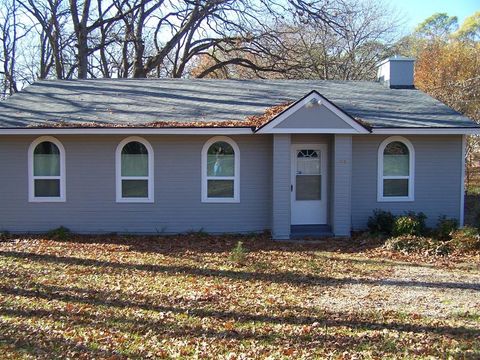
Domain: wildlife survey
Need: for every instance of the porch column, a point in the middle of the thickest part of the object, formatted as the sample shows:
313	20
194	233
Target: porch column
342	185
281	187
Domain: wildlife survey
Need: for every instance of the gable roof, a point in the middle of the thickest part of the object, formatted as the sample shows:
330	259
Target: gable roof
345	123
117	102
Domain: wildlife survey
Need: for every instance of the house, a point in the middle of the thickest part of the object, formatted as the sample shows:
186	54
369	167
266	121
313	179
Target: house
176	155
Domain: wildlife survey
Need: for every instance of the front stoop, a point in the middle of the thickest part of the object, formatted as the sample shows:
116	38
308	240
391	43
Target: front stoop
298	232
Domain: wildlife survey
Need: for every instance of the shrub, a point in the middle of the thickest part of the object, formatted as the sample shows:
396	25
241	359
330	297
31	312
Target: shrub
445	228
411	243
61	233
4	235
407	243
466	239
410	224
381	222
239	254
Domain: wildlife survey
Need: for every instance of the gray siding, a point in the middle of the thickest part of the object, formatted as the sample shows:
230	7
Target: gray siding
281	186
313	118
342	189
90	188
264	192
438	166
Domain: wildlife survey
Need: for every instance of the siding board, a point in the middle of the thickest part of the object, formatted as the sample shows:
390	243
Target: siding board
281	186
342	191
90	205
437	178
90	188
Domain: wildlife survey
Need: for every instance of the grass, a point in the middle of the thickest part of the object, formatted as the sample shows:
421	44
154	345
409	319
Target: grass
183	297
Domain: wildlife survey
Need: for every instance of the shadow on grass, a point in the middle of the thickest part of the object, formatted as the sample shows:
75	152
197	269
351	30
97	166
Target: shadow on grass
47	345
199	242
145	326
110	299
278	277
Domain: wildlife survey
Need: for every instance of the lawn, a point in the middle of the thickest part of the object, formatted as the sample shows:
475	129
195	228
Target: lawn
185	297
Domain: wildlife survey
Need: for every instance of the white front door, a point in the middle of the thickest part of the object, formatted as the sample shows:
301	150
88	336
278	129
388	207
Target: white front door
309	184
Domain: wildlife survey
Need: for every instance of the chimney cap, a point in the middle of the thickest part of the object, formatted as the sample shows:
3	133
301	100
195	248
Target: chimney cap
395	58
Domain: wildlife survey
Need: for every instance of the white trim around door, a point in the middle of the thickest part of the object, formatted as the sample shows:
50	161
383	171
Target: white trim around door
309	179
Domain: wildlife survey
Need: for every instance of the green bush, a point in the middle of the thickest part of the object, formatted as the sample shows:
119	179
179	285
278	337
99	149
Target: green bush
61	233
381	222
410	224
445	228
239	254
466	239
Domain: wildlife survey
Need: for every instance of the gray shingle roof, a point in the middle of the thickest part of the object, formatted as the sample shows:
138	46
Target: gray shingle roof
127	101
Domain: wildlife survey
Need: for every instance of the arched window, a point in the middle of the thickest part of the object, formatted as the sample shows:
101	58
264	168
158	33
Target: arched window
134	170
46	170
220	170
396	168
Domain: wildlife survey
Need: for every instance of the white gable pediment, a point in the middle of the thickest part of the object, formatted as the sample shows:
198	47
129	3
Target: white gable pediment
313	114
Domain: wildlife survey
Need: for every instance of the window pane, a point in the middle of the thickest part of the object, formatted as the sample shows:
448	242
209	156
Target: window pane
47	188
134	165
396	148
308	162
134	147
396	165
46	160
220	188
309	187
395	187
220	160
134	159
396	159
135	188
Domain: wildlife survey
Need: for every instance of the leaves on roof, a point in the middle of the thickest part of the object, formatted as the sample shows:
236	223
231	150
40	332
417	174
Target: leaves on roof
364	123
260	120
254	121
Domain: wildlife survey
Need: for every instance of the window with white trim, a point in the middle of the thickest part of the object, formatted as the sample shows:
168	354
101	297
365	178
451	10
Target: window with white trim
396	166
220	170
134	170
46	169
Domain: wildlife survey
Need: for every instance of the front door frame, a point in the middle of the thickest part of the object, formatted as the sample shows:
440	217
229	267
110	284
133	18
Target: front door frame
323	215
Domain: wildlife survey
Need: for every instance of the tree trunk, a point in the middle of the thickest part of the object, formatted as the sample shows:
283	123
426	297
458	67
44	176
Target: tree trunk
81	32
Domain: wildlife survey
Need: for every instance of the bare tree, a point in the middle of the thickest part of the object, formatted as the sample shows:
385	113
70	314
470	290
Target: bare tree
326	39
52	16
309	44
11	32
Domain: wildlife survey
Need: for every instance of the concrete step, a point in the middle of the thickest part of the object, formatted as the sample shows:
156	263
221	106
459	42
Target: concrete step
310	231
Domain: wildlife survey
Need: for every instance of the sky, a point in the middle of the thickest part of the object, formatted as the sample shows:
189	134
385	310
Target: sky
416	11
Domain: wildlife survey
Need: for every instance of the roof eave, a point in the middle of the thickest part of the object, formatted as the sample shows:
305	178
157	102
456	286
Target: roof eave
428	131
128	130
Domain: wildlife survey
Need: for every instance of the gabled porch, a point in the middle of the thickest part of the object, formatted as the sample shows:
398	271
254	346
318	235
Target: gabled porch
312	169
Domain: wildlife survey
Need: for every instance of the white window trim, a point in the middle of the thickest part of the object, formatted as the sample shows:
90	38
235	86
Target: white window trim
32	178
235	178
410	177
119	177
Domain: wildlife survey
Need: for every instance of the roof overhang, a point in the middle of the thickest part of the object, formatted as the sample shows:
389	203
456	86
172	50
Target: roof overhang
228	131
271	126
128	130
428	131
